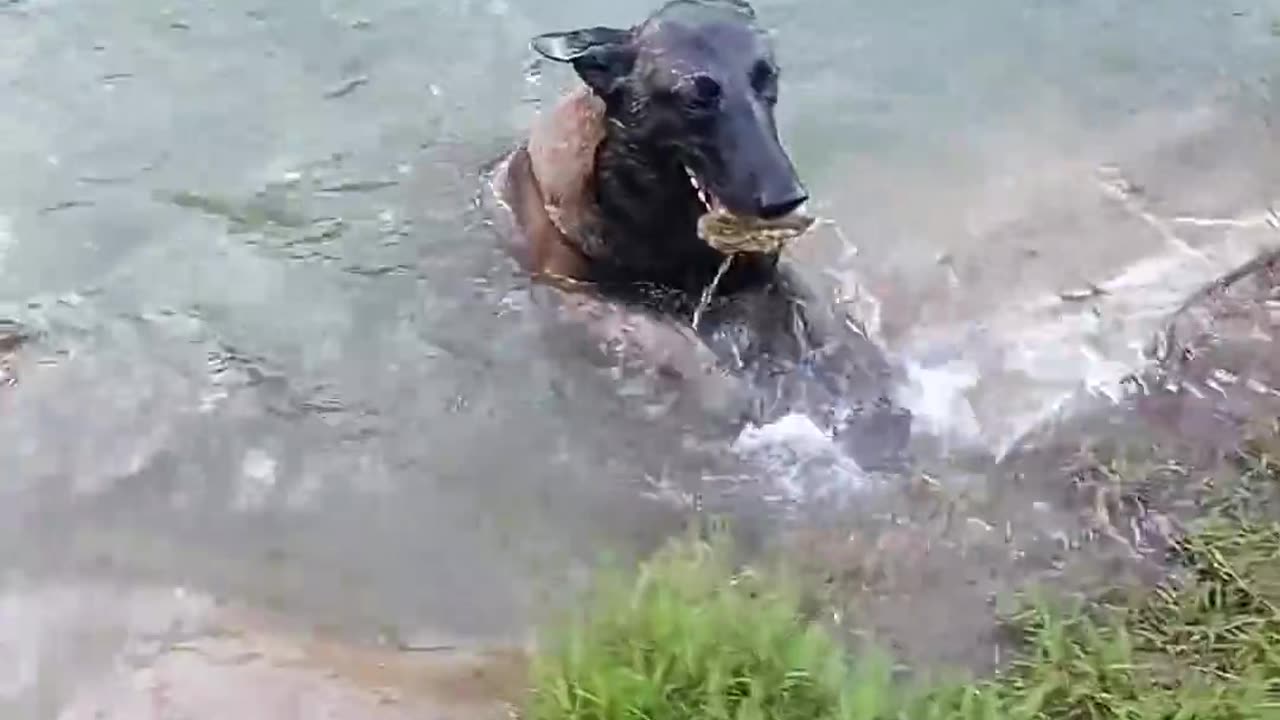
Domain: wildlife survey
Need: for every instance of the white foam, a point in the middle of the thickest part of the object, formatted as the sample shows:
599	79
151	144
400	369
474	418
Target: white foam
794	430
937	397
257	479
800	458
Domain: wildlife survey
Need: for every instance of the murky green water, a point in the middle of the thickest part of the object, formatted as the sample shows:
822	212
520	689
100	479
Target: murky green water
281	359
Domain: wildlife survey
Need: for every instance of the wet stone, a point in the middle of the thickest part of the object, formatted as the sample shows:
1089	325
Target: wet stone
12	337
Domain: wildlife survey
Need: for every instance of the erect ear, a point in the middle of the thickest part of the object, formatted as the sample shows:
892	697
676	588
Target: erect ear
602	56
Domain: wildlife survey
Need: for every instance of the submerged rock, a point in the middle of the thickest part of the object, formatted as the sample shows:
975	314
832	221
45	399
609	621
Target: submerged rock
12	336
1218	361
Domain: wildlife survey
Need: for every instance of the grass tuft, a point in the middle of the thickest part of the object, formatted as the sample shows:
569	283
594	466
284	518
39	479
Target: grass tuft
693	636
690	637
1208	648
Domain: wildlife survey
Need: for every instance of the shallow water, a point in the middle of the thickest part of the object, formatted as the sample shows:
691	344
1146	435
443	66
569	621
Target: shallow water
279	357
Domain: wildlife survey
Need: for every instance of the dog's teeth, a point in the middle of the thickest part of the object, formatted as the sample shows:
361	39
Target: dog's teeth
693	179
703	196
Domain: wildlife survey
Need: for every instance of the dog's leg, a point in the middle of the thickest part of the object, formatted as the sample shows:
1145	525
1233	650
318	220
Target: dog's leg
807	358
636	342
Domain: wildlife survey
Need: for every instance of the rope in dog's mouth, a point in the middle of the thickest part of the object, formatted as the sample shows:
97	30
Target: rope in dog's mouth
733	234
710	290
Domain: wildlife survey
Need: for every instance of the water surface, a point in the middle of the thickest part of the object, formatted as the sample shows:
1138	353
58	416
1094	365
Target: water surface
280	358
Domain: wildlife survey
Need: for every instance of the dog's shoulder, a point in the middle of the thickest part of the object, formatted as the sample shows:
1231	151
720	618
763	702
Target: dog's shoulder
562	150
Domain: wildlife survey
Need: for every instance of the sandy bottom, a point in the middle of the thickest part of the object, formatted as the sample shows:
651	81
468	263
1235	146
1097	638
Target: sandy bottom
98	652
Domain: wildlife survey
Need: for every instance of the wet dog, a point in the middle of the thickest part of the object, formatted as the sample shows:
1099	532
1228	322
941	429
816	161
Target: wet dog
673	125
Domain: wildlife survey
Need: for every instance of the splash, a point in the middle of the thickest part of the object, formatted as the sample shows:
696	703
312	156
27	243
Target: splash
801	459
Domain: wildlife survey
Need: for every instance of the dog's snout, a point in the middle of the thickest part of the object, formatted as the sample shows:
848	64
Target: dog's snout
775	205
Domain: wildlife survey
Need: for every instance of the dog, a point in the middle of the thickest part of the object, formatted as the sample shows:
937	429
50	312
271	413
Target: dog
672	126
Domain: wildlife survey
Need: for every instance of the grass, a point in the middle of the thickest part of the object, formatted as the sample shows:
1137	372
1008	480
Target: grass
691	637
1206	648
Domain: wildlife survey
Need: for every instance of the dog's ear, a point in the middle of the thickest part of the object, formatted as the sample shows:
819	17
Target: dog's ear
575	44
602	56
741	6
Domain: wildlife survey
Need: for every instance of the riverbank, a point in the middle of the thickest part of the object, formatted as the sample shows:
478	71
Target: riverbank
706	628
694	635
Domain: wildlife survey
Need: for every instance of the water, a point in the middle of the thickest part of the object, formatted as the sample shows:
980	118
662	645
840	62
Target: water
281	361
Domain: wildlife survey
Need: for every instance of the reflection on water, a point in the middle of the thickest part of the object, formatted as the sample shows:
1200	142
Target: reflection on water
272	351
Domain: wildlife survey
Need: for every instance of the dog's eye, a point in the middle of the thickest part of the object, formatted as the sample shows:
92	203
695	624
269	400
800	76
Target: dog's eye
764	80
706	88
700	92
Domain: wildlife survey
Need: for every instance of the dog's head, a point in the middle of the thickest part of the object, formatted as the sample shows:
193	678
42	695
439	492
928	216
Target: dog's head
698	82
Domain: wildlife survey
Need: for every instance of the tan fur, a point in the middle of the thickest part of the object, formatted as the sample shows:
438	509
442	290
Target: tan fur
562	154
548	186
539	246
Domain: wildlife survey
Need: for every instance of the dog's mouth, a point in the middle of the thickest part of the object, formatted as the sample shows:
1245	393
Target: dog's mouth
708	198
730	232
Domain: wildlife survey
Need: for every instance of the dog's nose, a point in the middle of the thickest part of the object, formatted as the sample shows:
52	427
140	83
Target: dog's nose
778	205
